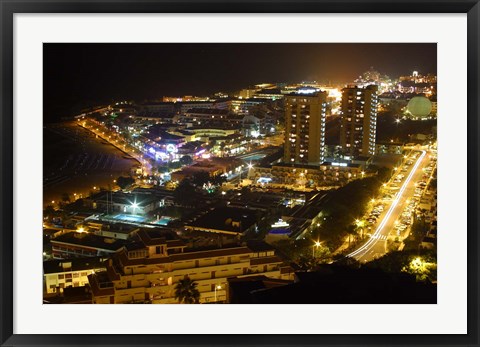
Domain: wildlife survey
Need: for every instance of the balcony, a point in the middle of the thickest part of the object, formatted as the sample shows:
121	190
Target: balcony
157	284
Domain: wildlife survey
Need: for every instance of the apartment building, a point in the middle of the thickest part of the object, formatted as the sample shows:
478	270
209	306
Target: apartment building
305	128
148	272
359	121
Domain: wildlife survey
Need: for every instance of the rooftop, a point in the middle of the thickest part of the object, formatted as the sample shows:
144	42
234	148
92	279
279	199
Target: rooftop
196	102
152	237
259	246
305	95
157	103
227	219
124	198
120	228
212	111
76	264
191	255
90	241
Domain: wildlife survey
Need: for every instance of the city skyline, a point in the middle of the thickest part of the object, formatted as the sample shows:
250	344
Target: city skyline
80	75
275	192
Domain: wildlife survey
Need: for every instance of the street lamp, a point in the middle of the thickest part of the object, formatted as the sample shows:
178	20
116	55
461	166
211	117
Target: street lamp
217	287
134	206
317	244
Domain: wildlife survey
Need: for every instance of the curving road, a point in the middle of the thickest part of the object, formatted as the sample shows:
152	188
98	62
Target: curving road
376	245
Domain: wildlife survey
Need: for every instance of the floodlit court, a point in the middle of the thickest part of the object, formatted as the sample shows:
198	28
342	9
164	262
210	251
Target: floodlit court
129	218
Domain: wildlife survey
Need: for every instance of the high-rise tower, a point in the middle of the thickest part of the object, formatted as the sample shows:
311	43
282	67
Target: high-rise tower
359	121
305	128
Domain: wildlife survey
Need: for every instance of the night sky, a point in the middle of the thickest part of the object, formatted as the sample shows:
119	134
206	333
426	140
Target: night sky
78	75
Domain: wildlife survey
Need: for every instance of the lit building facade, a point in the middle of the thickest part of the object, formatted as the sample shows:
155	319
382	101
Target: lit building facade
186	106
305	128
149	274
60	274
325	175
82	244
359	121
247	93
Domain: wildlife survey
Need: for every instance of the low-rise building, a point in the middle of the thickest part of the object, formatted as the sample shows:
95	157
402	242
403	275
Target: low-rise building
212	117
227	164
247	93
157	118
82	244
206	133
225	220
60	274
120	202
240	105
120	231
326	174
255	125
185	98
190	171
149	273
160	108
186	106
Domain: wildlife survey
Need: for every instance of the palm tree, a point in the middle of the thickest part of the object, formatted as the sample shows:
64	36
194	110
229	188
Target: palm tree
186	292
351	231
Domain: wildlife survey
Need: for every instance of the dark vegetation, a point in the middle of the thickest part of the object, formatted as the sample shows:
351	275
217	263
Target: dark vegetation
388	129
344	206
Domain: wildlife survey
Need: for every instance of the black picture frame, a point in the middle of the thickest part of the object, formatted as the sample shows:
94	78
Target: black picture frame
9	7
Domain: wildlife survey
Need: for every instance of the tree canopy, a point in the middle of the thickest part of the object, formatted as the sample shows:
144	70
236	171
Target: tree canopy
124	182
186	292
185	193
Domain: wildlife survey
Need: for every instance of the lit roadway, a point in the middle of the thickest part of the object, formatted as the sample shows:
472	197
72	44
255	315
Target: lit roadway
119	143
376	245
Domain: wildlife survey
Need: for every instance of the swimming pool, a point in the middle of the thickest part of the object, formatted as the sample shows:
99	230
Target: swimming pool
129	217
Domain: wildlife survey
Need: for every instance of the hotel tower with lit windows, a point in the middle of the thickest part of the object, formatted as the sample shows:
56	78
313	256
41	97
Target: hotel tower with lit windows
359	121
305	128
